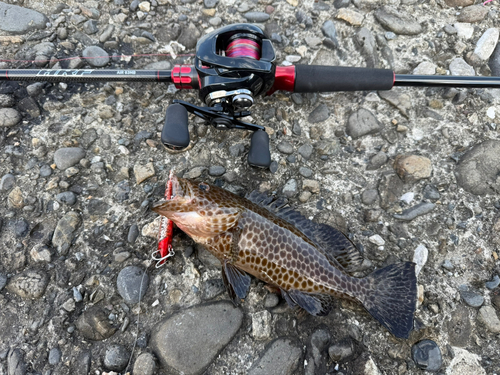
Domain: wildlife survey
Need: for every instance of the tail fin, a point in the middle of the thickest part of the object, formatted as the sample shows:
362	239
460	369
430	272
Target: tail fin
392	296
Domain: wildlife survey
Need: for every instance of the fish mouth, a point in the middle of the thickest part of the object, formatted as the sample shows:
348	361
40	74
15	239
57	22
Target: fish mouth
182	193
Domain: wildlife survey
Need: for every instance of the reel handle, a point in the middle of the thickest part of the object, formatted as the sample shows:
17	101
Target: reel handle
259	155
175	133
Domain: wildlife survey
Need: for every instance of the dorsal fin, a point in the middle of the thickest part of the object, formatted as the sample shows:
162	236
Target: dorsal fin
339	246
334	244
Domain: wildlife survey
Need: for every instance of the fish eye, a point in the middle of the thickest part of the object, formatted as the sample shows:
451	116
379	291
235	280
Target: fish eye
203	186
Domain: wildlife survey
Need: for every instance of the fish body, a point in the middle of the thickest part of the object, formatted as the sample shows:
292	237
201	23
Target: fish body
310	263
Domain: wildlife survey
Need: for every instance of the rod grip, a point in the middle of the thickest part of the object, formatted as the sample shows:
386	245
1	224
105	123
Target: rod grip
322	78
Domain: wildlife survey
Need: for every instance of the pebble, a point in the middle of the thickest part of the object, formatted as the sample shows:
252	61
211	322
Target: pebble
144	364
425	68
133	233
430	192
306	151
464	30
376	239
18	20
67	197
28	284
401	24
261	325
270	301
3	281
216	170
194	173
90	27
7	182
427	355
132	283
69	156
54	356
489	318
210	3
116	357
341	350
369	196
459	3
489	284
328	29
487	43
290	189
285	147
474	13
21	228
9	117
15	360
478	169
65	232
411	168
338	4
143	172
15	198
96	56
319	114
77	296
420	258
464	362
361	123
377	160
189	36
93	324
45	170
283	354
176	340
350	16
305	172
415	211
472	298
458	67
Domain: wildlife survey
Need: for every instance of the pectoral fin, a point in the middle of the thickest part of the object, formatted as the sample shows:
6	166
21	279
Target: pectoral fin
237	282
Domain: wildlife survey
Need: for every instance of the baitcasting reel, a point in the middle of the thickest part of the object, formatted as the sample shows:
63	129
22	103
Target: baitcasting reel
233	65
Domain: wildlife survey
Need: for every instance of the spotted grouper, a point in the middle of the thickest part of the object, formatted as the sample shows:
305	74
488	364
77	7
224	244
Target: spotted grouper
309	263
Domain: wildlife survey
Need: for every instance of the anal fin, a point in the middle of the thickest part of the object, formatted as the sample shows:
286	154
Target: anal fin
314	304
237	282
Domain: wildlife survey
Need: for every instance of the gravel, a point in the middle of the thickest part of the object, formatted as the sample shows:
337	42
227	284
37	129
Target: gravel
398	171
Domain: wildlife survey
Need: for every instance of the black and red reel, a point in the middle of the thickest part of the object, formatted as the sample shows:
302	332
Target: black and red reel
232	66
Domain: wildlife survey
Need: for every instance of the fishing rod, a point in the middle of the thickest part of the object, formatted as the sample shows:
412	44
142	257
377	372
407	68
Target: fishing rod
232	66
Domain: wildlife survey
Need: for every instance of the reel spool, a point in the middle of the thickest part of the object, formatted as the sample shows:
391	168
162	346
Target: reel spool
234	64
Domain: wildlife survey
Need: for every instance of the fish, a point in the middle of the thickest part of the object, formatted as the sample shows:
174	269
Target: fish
310	263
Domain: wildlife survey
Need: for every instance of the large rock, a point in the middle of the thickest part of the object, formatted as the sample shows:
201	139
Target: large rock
9	117
18	20
478	170
190	340
281	357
